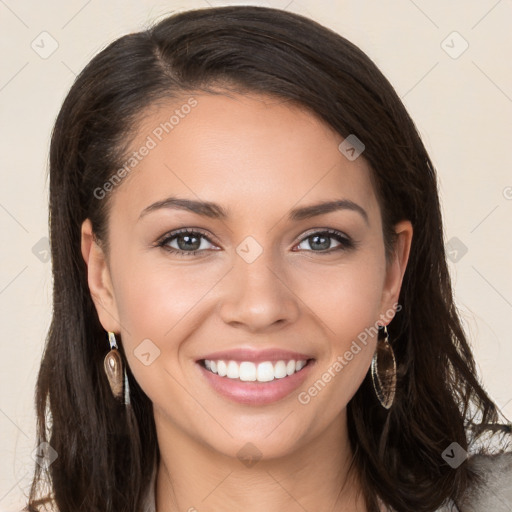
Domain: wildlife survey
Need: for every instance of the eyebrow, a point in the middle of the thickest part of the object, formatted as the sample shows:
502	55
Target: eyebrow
216	211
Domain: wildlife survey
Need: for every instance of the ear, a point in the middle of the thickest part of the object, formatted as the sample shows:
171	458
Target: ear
99	279
395	268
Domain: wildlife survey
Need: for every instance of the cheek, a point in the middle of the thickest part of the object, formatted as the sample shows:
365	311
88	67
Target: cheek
163	304
346	297
154	296
347	300
158	311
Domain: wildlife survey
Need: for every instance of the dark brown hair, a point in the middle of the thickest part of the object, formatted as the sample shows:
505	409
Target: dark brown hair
106	452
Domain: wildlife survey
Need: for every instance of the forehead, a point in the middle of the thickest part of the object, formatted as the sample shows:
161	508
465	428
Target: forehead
248	152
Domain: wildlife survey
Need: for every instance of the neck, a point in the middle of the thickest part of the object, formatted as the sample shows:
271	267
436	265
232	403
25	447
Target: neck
193	477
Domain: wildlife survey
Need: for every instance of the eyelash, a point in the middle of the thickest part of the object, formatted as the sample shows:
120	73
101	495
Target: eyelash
345	242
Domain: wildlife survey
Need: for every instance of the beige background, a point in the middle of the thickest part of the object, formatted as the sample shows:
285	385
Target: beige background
461	103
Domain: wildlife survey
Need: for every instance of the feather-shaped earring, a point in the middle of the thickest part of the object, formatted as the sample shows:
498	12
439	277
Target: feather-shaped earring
383	370
116	372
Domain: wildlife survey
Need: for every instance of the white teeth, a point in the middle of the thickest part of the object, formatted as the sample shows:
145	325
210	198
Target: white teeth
265	372
233	370
280	370
222	369
249	371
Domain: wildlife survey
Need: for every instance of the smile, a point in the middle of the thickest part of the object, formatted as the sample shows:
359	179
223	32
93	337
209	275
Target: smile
248	371
255	383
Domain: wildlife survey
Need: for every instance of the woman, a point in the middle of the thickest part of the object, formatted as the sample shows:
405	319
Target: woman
252	307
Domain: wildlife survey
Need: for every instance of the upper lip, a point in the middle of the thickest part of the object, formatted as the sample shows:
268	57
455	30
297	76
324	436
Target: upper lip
256	355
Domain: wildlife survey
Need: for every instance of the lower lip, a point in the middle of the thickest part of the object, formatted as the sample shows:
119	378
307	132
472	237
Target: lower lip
253	392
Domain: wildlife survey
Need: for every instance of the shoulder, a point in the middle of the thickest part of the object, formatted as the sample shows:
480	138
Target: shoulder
492	489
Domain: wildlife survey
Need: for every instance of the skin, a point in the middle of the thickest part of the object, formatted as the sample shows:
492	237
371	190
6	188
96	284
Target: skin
259	158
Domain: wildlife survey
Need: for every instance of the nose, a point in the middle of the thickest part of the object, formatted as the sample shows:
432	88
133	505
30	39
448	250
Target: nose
259	295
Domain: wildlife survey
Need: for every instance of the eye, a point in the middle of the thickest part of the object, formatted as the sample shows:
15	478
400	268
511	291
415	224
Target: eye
184	242
187	242
322	240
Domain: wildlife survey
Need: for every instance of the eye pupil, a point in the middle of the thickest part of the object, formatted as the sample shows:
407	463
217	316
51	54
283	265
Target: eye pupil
323	245
188	242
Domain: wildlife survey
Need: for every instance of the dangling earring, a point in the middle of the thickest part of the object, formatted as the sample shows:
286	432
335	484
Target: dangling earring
383	370
116	372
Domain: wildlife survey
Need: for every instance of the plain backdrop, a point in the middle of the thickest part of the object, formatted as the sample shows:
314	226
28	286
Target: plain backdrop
448	61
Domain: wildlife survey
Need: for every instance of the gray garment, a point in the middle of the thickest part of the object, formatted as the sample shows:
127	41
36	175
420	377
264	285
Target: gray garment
494	494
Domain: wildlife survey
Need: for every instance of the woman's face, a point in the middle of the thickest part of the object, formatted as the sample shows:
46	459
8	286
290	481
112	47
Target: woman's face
267	277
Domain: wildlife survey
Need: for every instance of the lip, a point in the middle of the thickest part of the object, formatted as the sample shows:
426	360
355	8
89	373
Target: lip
252	392
256	356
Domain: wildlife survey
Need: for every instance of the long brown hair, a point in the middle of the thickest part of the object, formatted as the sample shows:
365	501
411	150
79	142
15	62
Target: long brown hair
106	452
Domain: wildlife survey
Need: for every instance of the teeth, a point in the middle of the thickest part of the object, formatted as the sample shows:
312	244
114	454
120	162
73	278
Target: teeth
233	370
299	365
280	370
222	369
265	372
249	371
